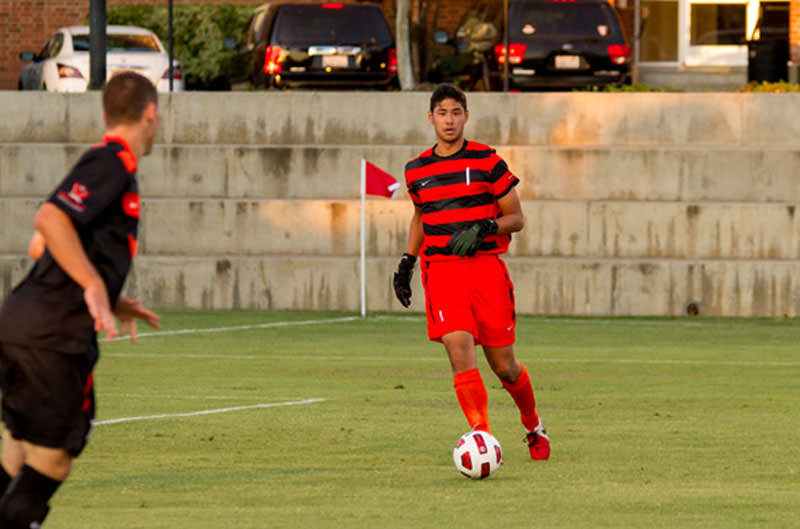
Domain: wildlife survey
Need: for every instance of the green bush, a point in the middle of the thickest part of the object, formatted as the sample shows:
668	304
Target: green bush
638	87
199	30
451	68
775	88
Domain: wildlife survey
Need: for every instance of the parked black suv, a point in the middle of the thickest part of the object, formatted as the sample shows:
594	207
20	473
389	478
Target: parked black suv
317	45
564	44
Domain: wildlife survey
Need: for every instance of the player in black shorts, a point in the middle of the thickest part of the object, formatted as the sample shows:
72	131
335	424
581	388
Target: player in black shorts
84	244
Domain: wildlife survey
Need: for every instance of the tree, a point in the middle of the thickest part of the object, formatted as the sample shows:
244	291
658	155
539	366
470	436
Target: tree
422	36
405	70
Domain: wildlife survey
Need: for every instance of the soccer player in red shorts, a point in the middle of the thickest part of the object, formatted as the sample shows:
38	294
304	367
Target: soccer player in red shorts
465	208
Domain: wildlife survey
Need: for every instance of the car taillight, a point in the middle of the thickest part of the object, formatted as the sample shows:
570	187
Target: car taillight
392	60
68	71
619	53
332	5
273	60
177	72
516	52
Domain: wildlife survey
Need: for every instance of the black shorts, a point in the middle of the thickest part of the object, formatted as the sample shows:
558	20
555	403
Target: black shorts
48	397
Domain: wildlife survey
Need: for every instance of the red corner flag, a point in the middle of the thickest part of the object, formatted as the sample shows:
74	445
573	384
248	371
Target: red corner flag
379	182
374	181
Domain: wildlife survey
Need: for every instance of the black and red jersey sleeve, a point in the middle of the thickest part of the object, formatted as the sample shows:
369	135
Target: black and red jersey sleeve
412	191
93	185
414	197
501	178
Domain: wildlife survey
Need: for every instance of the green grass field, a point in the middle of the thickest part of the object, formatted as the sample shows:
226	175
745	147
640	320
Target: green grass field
654	423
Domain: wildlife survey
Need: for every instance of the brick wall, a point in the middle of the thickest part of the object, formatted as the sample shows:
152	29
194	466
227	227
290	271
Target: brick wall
25	25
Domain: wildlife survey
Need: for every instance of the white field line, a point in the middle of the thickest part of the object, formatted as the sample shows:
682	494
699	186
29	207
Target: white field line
207	412
187	355
543	360
322	358
175	397
411	318
662	362
238	327
587	321
421	319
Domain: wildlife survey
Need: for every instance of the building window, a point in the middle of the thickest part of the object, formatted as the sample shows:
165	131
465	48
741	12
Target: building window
718	24
659	41
773	20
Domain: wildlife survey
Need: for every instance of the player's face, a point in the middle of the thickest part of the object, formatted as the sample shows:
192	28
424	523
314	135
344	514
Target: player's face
448	118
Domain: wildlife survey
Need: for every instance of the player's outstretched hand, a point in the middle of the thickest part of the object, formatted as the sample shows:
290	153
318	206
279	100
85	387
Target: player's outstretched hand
402	279
96	298
467	241
129	310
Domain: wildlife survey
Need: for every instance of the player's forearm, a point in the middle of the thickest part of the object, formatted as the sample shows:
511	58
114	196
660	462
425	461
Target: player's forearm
415	234
65	246
510	223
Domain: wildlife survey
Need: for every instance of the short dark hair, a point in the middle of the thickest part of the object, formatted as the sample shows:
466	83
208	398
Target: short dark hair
125	97
448	91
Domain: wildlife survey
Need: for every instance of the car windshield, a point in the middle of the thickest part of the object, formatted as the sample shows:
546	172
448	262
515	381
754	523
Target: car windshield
313	24
119	42
562	19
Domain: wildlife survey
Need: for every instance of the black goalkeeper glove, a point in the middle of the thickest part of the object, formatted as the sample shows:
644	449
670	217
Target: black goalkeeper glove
467	241
402	279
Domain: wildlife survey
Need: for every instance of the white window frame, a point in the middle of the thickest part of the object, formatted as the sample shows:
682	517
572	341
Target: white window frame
681	51
733	55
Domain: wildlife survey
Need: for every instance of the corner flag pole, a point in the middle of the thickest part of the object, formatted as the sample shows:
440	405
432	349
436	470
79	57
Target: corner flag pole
363	238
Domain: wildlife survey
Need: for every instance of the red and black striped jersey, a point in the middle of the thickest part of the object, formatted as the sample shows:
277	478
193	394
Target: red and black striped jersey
454	192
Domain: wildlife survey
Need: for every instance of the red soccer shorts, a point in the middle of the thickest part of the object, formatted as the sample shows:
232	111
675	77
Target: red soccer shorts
474	295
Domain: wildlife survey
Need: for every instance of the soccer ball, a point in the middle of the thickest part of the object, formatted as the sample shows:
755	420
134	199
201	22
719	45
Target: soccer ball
477	454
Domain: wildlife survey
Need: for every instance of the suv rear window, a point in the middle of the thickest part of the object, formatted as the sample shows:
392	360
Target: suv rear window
563	19
302	25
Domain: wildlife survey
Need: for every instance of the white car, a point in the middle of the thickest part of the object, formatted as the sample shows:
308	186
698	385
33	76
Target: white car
63	63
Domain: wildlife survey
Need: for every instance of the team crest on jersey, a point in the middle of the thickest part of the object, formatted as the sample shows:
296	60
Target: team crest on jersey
130	204
74	197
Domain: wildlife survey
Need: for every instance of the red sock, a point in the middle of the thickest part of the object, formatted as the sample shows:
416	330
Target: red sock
522	393
472	396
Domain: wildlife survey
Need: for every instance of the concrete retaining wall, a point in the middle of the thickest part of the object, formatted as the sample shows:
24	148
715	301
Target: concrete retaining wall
622	173
357	118
581	230
542	285
636	203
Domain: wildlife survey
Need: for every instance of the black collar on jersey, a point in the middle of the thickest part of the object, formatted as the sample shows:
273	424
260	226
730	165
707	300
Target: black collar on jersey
455	154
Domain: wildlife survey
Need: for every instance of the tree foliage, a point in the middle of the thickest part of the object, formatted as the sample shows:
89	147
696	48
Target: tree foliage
199	32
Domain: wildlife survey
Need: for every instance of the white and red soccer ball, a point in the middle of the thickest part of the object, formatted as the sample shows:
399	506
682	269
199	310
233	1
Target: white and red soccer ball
477	454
